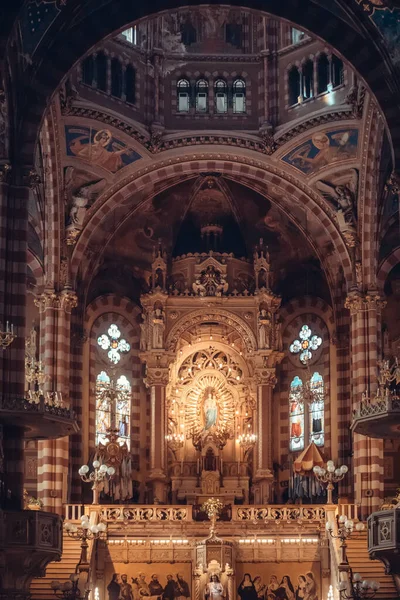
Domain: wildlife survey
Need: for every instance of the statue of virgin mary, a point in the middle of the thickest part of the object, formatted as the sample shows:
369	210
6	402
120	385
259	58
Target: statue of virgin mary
210	411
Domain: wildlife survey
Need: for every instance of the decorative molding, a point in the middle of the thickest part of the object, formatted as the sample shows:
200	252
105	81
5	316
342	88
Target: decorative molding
156	144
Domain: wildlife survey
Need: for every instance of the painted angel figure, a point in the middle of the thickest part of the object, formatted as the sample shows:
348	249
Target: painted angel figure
210	411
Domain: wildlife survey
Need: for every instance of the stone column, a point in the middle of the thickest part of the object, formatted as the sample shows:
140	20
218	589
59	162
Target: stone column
156	381
53	455
13	447
368	453
265	381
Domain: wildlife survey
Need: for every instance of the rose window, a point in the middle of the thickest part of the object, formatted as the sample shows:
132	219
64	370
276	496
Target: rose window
113	344
305	344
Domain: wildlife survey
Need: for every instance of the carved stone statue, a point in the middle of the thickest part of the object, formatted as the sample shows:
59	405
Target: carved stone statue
158	328
278	336
264	329
143	333
81	200
210	283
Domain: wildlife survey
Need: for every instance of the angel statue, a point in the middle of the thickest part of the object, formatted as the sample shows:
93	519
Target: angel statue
81	200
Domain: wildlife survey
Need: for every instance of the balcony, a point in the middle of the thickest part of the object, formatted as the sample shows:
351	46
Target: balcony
384	538
379	418
41	420
29	540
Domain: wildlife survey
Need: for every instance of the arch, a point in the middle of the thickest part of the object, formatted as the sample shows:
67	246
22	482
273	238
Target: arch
221	96
388	263
82	29
307	74
222	315
311	304
293	76
110	303
183	95
268	180
35	266
201	89
239	95
323	78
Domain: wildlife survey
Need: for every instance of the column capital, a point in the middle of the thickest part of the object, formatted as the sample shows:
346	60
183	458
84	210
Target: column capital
357	302
66	300
354	303
374	301
265	376
156	376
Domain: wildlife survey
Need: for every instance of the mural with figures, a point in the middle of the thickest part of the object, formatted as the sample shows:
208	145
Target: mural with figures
283	581
98	147
323	148
134	581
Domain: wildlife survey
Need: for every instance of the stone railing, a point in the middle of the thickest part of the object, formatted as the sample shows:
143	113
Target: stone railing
279	514
113	514
29	540
43	406
367	408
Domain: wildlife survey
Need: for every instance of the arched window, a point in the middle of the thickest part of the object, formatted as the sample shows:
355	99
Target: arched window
239	96
130	84
296	415
297	35
183	93
188	34
116	78
101	71
337	71
202	96
316	410
88	70
308	79
113	388
221	96
294	85
322	73
130	34
306	395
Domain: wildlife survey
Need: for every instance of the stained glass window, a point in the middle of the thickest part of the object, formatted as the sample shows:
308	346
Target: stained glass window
307	342
296	415
306	412
316	410
112	342
113	389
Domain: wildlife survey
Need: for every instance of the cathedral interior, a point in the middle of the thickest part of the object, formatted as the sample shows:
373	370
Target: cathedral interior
199	300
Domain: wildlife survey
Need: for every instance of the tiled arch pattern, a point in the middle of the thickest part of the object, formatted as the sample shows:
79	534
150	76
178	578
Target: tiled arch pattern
232	168
386	266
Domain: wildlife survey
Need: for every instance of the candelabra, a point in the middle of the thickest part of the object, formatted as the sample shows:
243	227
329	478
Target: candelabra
85	532
175	440
96	477
330	475
7	335
344	531
357	588
213	507
69	590
247	441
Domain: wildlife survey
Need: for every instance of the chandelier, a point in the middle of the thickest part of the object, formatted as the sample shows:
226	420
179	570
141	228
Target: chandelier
247	441
311	390
7	335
